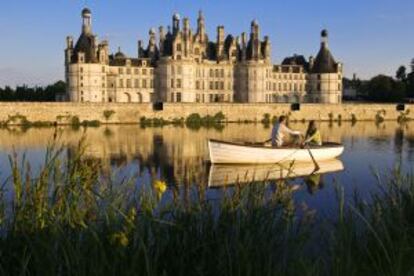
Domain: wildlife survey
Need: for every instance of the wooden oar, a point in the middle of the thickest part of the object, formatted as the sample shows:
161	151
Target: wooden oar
313	158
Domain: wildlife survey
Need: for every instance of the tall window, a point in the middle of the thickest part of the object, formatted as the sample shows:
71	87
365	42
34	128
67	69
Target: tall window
178	97
178	47
144	83
178	83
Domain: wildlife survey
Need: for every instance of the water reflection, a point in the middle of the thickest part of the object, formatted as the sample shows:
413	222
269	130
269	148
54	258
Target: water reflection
179	155
225	175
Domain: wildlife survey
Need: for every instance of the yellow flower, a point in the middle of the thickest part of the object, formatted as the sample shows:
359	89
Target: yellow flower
120	238
160	187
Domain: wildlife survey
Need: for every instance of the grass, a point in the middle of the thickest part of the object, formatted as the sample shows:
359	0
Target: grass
69	219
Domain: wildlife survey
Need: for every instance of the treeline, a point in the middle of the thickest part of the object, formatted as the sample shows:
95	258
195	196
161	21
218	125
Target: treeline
32	94
384	88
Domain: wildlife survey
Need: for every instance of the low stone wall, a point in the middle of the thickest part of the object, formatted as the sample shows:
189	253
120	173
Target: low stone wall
61	113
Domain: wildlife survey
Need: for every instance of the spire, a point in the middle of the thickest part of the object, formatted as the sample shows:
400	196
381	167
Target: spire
201	27
176	23
324	38
86	21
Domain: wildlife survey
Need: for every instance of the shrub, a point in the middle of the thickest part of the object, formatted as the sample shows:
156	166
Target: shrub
93	123
108	114
75	121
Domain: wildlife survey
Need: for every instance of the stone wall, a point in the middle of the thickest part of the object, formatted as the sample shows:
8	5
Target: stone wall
132	112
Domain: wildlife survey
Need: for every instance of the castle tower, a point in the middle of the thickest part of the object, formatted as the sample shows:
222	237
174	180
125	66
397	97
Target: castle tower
176	23
220	42
325	75
255	40
162	39
201	27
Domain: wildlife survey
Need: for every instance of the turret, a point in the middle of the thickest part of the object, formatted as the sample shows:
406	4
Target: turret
69	42
86	21
267	48
186	25
69	49
311	62
176	23
324	38
201	27
255	40
162	39
244	46
140	49
220	41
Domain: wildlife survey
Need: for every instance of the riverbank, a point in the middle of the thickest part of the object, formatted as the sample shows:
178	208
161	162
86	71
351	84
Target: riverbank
45	114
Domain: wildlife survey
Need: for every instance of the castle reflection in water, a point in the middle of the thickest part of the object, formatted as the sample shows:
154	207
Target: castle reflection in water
179	154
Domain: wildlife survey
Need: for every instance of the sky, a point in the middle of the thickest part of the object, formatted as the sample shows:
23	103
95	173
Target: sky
369	37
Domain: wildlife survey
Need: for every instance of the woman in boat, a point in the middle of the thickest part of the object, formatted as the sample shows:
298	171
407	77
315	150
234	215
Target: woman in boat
280	130
313	136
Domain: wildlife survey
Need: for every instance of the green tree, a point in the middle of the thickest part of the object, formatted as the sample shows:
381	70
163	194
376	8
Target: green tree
401	73
385	89
32	94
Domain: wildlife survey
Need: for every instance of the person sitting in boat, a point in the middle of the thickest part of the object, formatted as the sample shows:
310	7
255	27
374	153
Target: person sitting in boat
280	130
313	136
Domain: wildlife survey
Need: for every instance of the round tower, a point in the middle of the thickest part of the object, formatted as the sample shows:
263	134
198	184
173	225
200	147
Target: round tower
325	75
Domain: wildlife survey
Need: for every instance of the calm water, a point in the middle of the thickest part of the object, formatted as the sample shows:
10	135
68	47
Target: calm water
178	155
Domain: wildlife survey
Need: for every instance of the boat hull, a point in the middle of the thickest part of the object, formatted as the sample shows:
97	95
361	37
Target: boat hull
232	153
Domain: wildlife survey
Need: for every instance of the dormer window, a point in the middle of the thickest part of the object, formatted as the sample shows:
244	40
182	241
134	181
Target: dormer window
178	47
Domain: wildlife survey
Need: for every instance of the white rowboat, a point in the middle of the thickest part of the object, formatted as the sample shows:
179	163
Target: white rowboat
237	153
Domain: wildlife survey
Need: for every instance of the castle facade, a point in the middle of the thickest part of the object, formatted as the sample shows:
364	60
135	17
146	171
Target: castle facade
180	65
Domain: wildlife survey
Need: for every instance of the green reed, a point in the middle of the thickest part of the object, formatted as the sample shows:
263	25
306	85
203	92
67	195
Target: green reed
70	219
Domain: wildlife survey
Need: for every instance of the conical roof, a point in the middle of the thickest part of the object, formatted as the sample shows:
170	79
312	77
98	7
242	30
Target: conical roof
85	44
324	61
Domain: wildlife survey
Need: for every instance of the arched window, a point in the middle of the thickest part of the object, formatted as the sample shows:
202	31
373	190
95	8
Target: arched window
128	97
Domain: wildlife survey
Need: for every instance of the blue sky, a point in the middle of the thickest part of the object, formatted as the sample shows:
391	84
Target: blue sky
368	36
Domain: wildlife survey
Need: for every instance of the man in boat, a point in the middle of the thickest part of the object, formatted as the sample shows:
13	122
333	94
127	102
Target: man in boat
280	131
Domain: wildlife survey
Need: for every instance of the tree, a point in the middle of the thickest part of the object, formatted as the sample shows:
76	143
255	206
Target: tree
32	94
401	73
385	89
